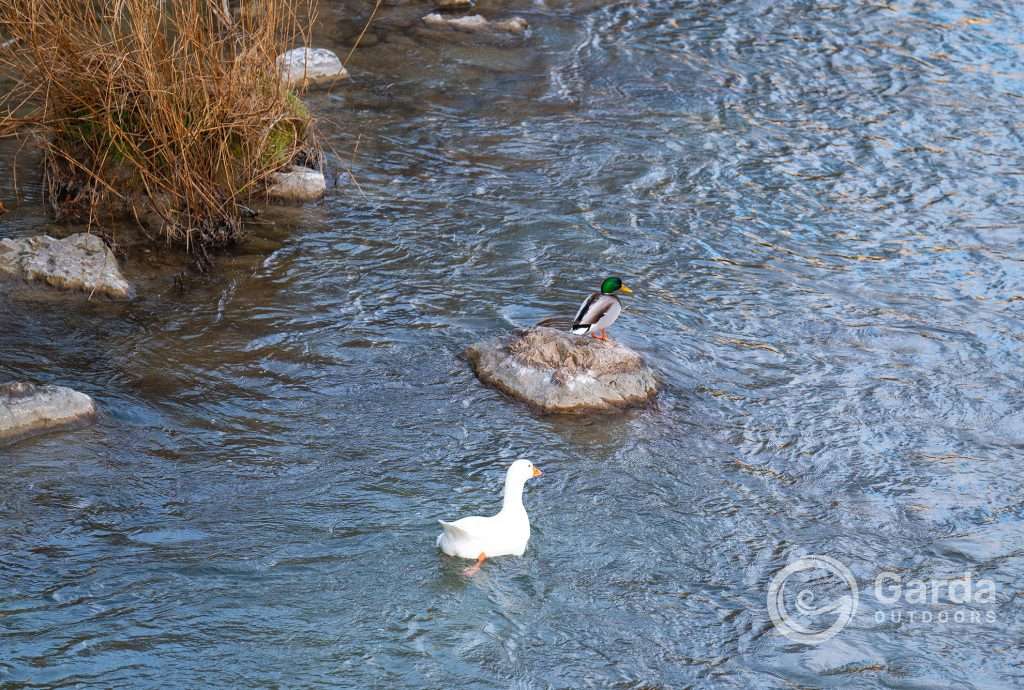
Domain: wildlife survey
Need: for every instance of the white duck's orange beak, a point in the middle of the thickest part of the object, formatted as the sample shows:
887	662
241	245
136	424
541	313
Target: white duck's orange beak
537	472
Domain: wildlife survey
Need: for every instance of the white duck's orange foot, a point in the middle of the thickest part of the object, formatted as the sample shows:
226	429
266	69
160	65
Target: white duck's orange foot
475	568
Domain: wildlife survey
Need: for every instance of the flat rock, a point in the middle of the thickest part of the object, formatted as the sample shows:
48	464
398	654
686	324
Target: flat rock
78	262
557	372
476	23
297	184
27	409
310	67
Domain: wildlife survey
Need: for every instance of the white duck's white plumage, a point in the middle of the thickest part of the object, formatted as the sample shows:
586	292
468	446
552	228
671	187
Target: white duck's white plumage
504	534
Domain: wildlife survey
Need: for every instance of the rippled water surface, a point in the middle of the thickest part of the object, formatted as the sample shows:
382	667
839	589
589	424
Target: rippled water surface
820	208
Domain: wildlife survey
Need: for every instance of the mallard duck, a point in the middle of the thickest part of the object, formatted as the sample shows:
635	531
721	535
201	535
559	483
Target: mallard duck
504	534
600	310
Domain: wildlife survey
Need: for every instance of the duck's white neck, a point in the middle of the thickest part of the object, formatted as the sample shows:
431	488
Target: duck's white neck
513	500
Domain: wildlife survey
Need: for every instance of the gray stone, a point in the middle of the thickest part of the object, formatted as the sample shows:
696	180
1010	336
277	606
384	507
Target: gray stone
557	372
78	262
512	25
476	23
310	67
297	184
27	409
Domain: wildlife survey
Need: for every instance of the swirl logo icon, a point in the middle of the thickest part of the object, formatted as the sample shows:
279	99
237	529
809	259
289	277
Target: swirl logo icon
803	622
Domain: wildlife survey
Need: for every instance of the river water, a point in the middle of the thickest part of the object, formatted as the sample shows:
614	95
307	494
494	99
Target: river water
819	207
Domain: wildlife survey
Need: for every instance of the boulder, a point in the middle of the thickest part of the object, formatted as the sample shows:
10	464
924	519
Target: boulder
450	5
78	262
475	22
557	372
310	67
297	184
27	409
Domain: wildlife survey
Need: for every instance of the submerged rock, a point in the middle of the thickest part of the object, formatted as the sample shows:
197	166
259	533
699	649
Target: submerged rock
310	66
297	184
27	409
475	22
558	372
78	262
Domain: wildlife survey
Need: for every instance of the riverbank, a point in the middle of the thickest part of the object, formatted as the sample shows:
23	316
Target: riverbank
171	115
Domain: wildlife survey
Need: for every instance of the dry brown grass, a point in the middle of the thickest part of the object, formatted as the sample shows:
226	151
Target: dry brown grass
171	110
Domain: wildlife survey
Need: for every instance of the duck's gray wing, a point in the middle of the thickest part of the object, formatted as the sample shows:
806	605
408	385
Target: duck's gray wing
595	307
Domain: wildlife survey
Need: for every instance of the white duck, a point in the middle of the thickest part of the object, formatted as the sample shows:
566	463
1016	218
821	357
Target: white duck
504	534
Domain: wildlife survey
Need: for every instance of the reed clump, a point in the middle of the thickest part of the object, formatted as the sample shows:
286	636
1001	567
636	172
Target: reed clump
170	111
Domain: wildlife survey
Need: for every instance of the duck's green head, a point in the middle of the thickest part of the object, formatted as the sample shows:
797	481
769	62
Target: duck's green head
614	284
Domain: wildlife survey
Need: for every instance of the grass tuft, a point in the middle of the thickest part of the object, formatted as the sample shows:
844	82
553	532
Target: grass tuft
171	109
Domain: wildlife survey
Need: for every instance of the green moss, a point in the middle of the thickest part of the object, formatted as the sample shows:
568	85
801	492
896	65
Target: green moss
279	145
296	107
286	135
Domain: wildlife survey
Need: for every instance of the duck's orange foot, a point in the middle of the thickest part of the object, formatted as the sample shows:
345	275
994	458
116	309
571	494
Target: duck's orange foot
475	568
603	336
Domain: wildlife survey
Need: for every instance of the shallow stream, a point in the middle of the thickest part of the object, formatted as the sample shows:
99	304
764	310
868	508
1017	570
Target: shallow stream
819	207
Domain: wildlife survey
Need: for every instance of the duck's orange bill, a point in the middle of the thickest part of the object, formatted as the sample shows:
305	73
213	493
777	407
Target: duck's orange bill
536	471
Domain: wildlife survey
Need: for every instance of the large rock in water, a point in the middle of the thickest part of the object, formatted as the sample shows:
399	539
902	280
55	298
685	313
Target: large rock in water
297	184
78	262
558	372
310	67
27	409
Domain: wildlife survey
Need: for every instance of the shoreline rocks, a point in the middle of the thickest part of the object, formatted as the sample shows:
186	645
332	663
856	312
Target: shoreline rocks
297	184
477	23
559	373
80	262
27	409
310	67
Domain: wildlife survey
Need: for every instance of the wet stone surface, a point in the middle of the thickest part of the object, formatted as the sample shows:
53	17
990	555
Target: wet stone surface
557	372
